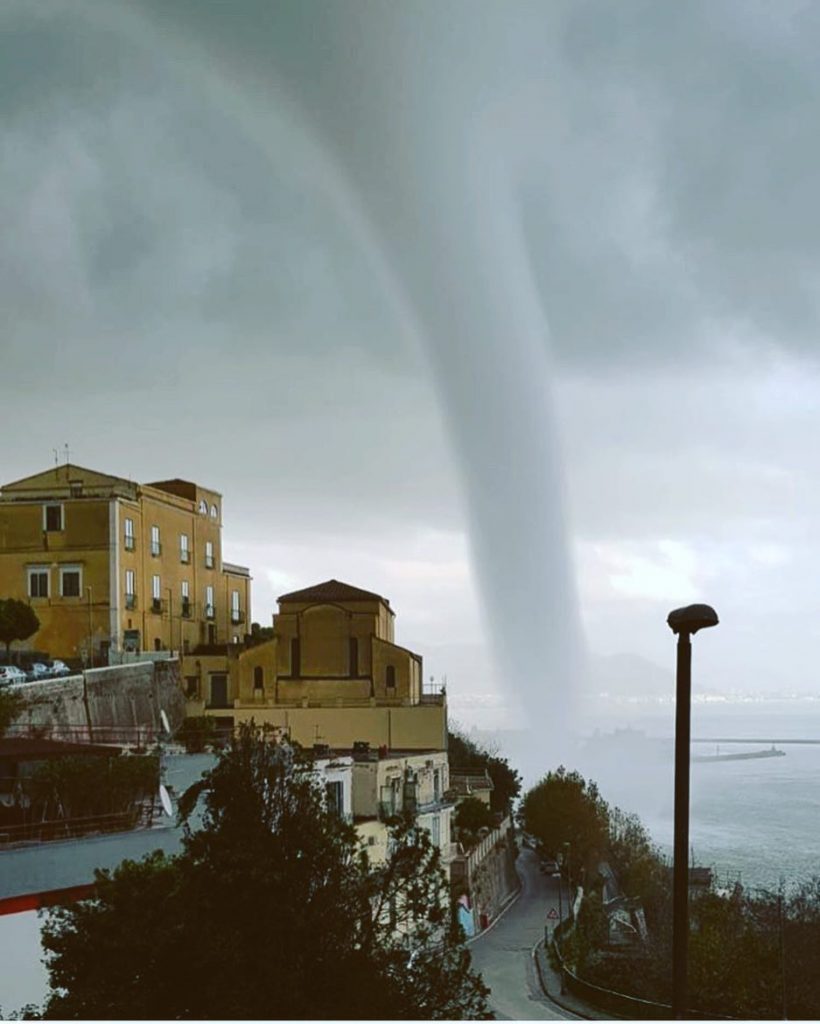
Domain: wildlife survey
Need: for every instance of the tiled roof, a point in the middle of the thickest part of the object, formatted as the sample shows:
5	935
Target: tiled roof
332	590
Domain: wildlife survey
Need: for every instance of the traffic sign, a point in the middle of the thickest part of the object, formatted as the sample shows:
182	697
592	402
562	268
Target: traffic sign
552	915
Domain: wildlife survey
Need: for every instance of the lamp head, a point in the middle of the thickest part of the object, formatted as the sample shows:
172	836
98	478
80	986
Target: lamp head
692	618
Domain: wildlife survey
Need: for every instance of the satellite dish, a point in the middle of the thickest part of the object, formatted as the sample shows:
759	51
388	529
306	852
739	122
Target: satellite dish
165	800
166	725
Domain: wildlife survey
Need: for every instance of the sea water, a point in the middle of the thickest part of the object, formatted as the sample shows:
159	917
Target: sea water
755	821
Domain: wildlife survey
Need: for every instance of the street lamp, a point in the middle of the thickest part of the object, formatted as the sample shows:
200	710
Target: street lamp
685	622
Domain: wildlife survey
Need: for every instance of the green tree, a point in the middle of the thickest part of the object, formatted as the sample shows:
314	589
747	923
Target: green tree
12	703
463	752
258	635
17	622
564	808
270	910
472	815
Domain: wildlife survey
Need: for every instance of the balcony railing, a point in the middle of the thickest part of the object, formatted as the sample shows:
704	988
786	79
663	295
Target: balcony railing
156	605
237	616
130	601
130	542
184	556
210	611
156	548
387	810
209	561
187	609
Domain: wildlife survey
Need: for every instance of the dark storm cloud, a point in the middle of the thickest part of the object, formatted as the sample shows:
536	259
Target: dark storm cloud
660	158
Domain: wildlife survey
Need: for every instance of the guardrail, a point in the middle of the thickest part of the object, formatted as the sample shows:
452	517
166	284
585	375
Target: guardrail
102	735
70	828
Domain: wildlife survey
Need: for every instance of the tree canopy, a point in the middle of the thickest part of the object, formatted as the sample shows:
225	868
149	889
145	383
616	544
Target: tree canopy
270	910
17	621
565	808
462	752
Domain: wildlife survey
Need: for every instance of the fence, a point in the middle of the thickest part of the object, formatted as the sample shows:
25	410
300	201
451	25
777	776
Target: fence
618	1003
104	735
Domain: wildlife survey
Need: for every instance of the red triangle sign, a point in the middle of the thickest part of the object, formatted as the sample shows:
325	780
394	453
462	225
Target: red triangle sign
552	915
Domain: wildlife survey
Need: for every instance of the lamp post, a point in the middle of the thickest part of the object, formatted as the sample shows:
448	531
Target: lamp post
684	622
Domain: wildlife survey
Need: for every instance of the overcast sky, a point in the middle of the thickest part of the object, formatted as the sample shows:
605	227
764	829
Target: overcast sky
437	294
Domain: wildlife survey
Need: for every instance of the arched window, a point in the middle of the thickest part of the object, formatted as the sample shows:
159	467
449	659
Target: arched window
390	677
259	678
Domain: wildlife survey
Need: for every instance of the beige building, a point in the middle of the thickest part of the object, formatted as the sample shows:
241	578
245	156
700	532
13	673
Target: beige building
332	674
113	566
388	783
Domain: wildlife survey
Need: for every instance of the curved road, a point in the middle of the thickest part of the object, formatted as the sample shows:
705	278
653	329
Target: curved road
503	953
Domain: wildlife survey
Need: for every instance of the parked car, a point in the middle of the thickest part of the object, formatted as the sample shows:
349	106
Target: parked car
7	675
38	670
59	668
549	867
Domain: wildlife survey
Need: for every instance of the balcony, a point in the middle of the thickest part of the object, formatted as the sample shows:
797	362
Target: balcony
210	611
237	616
387	810
129	543
156	549
130	601
184	556
187	611
209	561
156	605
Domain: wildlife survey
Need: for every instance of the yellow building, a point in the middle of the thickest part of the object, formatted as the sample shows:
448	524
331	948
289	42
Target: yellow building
111	565
332	674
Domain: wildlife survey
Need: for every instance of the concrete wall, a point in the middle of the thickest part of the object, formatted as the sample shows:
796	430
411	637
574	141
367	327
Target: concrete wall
118	697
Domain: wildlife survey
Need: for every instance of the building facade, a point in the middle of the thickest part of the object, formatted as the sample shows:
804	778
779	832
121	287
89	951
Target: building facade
332	674
387	783
111	566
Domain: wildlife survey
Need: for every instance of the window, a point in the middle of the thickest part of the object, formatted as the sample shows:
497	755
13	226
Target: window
156	594
210	611
70	581
52	518
156	547
191	687
75	488
186	599
354	656
130	543
130	589
209	554
38	581
184	554
435	830
390	677
203	508
437	784
214	512
236	615
334	798
258	678
295	659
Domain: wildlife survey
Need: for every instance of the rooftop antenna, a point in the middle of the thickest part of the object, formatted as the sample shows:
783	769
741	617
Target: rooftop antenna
56	458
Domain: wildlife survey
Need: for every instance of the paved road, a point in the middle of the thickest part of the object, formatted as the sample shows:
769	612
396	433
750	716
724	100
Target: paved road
503	954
